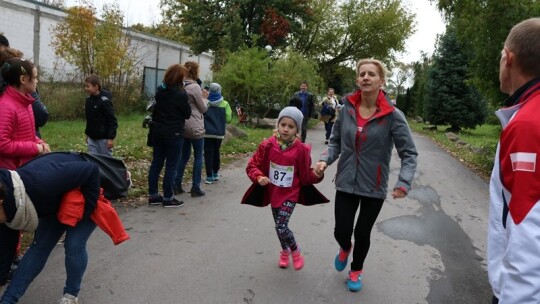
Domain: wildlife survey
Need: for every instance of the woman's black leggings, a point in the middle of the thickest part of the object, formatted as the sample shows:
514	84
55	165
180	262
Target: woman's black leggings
345	211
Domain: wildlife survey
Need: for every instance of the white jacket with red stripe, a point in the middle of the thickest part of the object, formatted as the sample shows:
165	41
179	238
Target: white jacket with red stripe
514	214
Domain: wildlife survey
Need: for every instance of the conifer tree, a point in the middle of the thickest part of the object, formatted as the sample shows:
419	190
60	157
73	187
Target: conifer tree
449	98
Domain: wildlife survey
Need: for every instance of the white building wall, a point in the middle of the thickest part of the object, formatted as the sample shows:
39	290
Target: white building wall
28	24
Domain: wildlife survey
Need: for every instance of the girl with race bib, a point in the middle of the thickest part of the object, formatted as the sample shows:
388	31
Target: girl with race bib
282	176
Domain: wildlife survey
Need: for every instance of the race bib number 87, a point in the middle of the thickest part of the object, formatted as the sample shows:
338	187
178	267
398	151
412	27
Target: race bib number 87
281	176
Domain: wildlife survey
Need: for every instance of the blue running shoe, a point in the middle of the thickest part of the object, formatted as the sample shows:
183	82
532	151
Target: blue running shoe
354	282
215	176
341	259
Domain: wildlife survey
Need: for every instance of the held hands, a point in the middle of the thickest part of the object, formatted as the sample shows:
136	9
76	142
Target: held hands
263	180
318	173
319	168
205	93
398	193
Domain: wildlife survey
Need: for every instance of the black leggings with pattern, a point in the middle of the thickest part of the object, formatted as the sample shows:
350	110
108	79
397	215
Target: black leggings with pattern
282	215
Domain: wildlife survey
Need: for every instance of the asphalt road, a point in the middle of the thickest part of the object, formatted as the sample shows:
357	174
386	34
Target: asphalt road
427	248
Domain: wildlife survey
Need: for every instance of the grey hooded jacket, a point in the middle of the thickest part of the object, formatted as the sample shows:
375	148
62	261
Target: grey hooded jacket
364	158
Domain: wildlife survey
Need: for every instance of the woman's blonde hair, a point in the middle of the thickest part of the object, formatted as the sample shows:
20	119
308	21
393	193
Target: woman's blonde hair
382	68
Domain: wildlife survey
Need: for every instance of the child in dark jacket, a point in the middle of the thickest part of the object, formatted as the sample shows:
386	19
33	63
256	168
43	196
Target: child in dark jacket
282	177
216	118
101	123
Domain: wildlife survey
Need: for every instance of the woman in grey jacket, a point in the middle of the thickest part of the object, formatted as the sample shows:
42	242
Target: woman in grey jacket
362	138
193	132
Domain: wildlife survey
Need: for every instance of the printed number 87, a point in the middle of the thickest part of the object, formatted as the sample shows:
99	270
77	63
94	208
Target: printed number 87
276	175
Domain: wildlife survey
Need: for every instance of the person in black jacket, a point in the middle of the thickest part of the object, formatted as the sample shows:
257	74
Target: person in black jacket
307	106
167	127
30	198
101	123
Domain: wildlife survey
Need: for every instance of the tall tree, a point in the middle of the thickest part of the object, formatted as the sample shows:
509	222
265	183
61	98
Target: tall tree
401	74
213	24
345	31
484	25
421	70
449	99
351	29
73	39
94	46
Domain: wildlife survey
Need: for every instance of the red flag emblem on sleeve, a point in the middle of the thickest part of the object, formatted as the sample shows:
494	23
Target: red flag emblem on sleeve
523	161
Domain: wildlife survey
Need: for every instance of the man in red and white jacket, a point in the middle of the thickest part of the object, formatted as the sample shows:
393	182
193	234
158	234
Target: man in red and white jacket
514	215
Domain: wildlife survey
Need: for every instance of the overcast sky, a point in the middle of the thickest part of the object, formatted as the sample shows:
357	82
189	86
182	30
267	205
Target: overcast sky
428	22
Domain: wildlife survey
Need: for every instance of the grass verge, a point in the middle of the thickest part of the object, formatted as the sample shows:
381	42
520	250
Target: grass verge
479	152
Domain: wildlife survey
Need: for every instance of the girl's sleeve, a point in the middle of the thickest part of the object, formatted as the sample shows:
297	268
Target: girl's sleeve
256	163
10	147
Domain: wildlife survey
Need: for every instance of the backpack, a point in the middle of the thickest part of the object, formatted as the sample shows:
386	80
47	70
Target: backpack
327	110
114	177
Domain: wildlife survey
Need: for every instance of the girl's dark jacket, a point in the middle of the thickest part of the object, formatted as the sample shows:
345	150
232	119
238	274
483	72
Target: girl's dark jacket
171	110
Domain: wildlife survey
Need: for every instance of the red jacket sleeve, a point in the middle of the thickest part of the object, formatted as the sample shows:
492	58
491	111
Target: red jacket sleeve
255	166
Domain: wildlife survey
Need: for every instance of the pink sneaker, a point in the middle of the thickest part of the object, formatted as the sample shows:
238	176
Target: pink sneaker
284	258
298	259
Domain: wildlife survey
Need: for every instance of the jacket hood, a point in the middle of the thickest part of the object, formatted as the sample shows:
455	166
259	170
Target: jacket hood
214	103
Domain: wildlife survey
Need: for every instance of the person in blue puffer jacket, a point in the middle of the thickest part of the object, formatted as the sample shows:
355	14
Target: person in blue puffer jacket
216	118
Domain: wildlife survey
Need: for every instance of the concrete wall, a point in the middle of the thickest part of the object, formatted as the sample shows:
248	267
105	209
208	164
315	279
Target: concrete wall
27	24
